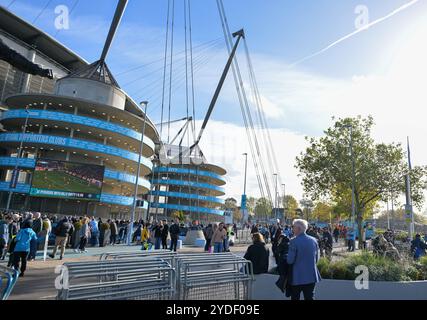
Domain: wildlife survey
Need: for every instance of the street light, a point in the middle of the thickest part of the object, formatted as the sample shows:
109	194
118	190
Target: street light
284	201
275	196
243	202
246	171
135	195
15	172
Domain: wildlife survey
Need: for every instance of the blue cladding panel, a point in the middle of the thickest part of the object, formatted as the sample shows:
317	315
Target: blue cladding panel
187	208
188	183
187	196
70	118
23	162
188	171
105	198
73	143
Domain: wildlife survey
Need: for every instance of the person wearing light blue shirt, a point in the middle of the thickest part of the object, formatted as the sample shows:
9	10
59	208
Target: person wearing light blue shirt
94	239
303	256
22	247
351	239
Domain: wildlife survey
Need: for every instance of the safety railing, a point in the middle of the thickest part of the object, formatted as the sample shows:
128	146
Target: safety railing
124	279
139	254
213	277
160	275
8	279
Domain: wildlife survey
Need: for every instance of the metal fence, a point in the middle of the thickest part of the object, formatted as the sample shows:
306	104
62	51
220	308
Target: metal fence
124	279
159	275
140	254
213	277
8	278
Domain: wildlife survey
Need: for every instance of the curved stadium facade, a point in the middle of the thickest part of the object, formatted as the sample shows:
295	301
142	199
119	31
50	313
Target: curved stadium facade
82	124
194	190
76	131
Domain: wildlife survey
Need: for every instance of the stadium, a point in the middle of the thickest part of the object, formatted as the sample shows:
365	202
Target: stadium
80	121
81	135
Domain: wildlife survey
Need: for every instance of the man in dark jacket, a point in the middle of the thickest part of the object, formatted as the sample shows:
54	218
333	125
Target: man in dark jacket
37	228
165	233
62	231
326	244
258	254
336	234
174	232
114	232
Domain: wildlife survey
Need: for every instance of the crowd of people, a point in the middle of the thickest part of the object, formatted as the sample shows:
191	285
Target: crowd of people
295	248
296	252
22	234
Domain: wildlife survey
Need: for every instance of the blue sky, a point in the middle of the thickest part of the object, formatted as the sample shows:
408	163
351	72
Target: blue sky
377	71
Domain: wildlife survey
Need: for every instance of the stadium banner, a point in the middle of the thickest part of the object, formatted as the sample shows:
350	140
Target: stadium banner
62	179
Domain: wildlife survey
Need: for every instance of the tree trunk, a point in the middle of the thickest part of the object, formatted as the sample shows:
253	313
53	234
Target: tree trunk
360	228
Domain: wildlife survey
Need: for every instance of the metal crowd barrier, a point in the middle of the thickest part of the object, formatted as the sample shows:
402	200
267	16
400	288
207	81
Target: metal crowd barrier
160	275
213	277
124	279
8	279
139	254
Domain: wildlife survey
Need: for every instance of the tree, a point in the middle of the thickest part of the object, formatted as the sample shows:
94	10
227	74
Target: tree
263	208
323	211
229	204
326	166
237	215
341	204
250	205
291	205
307	206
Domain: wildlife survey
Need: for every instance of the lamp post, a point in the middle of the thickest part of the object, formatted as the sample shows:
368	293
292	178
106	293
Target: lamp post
353	177
135	195
408	208
284	201
243	202
275	196
246	171
15	172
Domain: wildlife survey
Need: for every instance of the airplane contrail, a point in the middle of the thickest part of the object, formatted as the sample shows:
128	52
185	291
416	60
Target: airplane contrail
396	11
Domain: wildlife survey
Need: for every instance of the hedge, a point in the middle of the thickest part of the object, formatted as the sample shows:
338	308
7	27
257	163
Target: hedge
380	268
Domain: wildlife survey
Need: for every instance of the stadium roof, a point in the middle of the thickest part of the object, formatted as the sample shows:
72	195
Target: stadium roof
44	43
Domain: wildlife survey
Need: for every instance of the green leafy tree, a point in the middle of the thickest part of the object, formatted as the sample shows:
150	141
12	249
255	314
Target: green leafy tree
326	166
291	205
237	215
323	211
250	205
229	204
263	208
307	208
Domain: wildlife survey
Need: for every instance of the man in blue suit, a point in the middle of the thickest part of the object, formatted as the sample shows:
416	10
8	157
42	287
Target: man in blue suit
303	256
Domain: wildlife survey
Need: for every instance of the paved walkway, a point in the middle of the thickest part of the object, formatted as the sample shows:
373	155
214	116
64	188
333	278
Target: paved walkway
39	280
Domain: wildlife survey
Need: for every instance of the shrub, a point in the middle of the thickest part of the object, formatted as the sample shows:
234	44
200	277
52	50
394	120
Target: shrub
339	270
324	268
380	268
